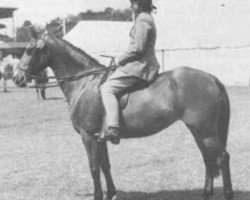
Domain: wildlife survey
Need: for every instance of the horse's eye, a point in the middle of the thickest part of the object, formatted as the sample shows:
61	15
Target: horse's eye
29	51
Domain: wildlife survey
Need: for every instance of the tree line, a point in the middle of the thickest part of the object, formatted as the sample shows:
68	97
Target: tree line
55	25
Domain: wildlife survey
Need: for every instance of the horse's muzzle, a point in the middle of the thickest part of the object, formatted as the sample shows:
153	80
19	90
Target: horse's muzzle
21	82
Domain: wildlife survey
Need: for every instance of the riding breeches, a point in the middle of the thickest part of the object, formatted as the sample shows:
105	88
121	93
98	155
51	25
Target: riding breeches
115	84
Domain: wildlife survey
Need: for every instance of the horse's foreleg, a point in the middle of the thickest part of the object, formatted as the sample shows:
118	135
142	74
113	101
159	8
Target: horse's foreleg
209	182
105	165
43	92
92	148
37	93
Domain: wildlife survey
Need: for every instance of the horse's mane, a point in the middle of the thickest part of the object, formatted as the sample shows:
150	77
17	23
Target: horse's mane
79	52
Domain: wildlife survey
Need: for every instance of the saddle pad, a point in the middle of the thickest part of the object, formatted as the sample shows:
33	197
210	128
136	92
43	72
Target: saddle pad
123	101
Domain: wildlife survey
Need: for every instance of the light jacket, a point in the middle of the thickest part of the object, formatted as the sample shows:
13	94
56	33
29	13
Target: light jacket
140	60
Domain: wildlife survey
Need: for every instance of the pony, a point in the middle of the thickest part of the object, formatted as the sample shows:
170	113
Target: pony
197	98
7	67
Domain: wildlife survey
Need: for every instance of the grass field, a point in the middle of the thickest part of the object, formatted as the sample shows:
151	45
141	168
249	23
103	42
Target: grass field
42	158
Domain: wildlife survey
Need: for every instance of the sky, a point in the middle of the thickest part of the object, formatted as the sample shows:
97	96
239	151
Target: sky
42	11
180	23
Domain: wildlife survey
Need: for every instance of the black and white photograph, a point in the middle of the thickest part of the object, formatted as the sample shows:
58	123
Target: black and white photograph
124	100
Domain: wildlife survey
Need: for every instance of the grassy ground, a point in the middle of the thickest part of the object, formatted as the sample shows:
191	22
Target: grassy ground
42	158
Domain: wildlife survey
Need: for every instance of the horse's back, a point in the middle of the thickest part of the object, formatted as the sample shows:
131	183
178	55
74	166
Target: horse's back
183	93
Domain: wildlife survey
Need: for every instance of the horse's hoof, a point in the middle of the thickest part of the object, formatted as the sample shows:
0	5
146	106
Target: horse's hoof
207	194
229	195
98	198
112	198
206	197
116	141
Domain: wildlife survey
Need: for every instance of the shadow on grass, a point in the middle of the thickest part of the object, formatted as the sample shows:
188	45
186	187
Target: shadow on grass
54	98
180	195
5	92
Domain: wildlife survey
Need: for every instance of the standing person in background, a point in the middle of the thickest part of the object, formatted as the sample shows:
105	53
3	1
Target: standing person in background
137	65
1	57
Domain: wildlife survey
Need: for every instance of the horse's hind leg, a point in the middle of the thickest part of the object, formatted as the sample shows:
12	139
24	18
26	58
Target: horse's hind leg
223	163
210	148
37	93
105	165
43	94
215	158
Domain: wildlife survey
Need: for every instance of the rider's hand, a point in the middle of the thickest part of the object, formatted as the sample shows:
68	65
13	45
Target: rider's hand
116	62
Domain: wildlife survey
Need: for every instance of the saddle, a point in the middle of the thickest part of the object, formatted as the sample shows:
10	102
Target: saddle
124	96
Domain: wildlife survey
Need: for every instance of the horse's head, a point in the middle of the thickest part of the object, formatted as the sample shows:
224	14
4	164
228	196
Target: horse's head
35	58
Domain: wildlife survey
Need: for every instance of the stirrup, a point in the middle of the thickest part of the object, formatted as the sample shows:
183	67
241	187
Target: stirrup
102	137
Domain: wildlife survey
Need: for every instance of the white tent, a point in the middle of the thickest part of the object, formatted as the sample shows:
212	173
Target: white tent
100	37
191	24
202	23
183	25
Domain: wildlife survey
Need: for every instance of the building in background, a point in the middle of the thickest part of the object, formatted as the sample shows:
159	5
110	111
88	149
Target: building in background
8	44
8	13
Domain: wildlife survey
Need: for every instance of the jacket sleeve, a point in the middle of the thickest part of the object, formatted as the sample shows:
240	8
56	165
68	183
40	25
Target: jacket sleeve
138	46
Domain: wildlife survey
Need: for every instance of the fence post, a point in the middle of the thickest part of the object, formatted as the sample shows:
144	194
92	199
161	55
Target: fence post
163	58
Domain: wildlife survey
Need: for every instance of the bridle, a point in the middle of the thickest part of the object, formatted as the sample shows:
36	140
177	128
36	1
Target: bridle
103	70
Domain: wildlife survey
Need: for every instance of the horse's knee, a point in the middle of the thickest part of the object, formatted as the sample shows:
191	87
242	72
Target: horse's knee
106	168
212	145
223	160
94	171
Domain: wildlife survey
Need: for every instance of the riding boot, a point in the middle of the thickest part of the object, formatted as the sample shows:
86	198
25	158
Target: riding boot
111	134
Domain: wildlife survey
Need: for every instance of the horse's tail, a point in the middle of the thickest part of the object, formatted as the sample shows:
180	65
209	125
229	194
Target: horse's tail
224	117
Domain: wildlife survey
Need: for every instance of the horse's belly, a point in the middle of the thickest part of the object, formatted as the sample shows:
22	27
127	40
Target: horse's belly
151	127
148	113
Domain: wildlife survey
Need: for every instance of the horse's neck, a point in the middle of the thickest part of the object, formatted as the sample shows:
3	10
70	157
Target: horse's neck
69	61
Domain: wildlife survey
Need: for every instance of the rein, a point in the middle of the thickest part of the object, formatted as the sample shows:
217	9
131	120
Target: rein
74	77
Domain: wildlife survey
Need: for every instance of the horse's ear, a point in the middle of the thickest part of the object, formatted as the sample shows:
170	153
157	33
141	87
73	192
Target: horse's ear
33	32
40	44
45	33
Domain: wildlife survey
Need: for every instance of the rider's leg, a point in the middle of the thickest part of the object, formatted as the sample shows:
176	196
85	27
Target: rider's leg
116	83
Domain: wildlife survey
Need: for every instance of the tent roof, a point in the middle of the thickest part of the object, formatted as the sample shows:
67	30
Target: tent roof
6	12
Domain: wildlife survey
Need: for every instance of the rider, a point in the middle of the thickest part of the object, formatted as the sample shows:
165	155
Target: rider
137	65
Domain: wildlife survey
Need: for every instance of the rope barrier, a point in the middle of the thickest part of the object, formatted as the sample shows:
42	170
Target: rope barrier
205	48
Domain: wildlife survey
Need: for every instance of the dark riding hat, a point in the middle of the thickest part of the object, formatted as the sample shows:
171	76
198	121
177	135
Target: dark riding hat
145	4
